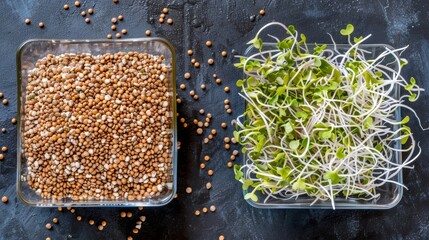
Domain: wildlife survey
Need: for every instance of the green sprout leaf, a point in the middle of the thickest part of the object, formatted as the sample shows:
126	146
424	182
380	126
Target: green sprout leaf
333	176
251	196
294	145
256	42
348	30
299	185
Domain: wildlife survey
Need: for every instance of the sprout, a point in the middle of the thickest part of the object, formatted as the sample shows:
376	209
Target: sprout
320	121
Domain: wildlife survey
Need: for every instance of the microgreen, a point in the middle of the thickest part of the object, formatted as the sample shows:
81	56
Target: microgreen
321	120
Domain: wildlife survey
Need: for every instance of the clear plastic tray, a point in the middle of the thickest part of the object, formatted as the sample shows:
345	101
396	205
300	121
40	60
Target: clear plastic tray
28	54
390	194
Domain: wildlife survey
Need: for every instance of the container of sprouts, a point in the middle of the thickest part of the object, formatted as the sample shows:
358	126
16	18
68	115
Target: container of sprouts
96	123
322	126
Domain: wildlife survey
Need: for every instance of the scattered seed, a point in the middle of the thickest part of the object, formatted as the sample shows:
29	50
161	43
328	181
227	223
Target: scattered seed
87	20
182	86
206	158
118	35
195	121
203	86
223	125
4	149
130	238
221	237
162	15
135	231
66	7
201	111
200	124
197	64
148	33
209	115
90	11
193	61
1	95
109	36
208	43
229	164
262	12
178	100
210	137
187	75
235	152
165	10
232	157
3	130
48	226
41	25
55	220
208	185
226	89
199	131
113	27
48	238
192	93
226	139
202	166
170	21
161	20
103	223
77	4
27	21
214	131
190	52
129	214
60	209
100	228
218	80
212	208
182	120
4	199
197	212
91	222
226	102
5	101
229	111
185	125
1	157
210	61
188	190
210	172
79	218
72	210
227	146
83	13
206	140
123	214
224	53
140	208
196	97
205	210
124	31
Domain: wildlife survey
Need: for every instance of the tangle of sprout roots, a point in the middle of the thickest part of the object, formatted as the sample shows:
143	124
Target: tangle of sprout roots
322	123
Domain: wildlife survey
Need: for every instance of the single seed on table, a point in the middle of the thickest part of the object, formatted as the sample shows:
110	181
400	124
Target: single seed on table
148	32
226	89
195	121
199	131
208	43
206	140
170	21
210	172
235	152
83	13
3	130
100	228
178	100
210	136
165	10
41	25
161	20
124	31
182	86
210	61
202	166
103	223
214	131
190	52
192	93
4	199
262	12
187	75
197	64
55	220
224	53
90	11
114	20
227	146
206	158
48	238
140	208
209	115
48	226
4	149
129	214
226	102
130	238
1	95
185	125
229	111
77	3
197	212
227	107
5	101
79	218
182	120
91	222
221	237
218	80
118	35
1	157
201	111
109	36
229	164
232	157
193	60
207	120
66	7
205	210
123	214
135	231
113	27
196	97
72	210
214	75
162	15
200	124
120	17
212	208
233	140
87	20
188	190
226	139
203	86
27	21
208	185
60	209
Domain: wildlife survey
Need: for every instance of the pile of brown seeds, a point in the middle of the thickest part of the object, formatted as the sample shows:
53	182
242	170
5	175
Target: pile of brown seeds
99	127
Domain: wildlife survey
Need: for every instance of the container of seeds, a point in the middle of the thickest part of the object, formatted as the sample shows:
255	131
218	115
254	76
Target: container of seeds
96	122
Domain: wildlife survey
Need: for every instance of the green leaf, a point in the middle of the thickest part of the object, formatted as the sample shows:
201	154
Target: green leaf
340	153
288	127
299	185
333	176
256	42
302	114
236	135
405	120
238	172
284	172
252	81
246	184
294	144
325	134
292	29
317	62
348	30
412	97
303	38
413	81
251	196
356	40
239	83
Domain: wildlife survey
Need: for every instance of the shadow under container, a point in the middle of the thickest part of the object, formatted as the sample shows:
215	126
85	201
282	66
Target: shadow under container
31	51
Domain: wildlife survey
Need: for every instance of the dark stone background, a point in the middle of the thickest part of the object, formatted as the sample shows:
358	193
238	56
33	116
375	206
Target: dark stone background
227	24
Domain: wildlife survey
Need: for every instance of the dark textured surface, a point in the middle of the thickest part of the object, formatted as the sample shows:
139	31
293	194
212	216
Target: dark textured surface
228	25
